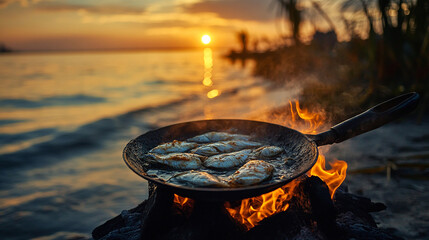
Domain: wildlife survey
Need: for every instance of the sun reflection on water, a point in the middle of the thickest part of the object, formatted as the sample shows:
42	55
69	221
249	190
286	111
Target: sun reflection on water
208	67
213	93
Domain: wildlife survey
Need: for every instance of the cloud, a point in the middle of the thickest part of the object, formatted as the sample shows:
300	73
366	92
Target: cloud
24	3
105	9
162	20
253	10
185	24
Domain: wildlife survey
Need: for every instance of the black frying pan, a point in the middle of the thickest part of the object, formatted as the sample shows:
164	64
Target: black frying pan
303	147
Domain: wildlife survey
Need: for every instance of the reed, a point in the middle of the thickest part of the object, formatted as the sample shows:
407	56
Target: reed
388	57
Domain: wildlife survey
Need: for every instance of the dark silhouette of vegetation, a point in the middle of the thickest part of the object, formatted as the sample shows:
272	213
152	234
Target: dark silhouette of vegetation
4	48
323	14
398	57
292	14
243	38
387	54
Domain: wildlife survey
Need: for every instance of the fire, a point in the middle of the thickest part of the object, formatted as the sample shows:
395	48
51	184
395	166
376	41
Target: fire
314	120
182	201
186	204
332	177
253	210
295	117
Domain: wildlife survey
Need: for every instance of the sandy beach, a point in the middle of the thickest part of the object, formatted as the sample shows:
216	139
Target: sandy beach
390	165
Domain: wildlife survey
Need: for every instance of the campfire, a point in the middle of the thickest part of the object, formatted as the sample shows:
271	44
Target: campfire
311	204
251	211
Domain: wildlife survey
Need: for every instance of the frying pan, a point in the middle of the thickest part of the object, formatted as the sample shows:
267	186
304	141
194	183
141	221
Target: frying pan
303	147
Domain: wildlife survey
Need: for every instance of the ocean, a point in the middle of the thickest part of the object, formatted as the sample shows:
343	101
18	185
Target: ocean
66	117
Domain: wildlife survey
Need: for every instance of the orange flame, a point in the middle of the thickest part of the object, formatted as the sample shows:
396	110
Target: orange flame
314	120
186	205
181	200
332	177
295	117
184	202
253	210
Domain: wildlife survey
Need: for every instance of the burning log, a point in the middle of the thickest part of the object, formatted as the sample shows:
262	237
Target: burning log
311	214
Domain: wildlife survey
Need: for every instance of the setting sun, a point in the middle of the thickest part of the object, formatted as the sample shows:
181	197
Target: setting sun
206	39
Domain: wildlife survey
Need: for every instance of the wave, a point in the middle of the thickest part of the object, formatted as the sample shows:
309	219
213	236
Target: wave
168	82
88	137
11	121
93	135
78	99
13	138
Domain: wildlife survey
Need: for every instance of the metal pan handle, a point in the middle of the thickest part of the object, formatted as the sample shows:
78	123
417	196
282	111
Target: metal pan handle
371	119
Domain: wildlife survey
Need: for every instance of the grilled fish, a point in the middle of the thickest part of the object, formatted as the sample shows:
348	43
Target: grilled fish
217	136
173	147
227	160
266	152
198	179
252	172
184	161
224	147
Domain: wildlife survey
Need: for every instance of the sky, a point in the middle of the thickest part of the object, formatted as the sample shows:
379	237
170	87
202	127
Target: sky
133	24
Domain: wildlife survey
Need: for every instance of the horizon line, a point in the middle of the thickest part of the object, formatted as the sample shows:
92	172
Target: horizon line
13	51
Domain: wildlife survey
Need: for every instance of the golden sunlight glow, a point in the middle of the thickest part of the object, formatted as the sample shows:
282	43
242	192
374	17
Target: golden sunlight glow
213	93
206	39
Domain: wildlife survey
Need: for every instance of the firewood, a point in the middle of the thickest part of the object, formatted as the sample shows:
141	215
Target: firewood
311	215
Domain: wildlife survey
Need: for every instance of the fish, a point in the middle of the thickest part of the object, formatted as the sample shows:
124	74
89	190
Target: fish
253	172
217	136
224	147
198	179
266	152
184	161
173	147
227	160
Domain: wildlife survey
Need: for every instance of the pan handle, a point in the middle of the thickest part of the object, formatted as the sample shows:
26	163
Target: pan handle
371	119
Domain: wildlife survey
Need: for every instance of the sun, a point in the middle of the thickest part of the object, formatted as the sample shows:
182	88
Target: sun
206	39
